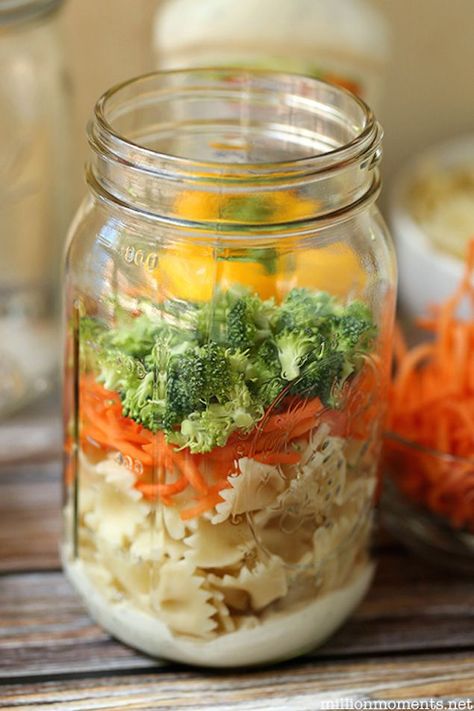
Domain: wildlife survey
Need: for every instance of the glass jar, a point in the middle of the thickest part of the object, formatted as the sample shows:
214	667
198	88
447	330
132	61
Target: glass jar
34	196
229	306
343	41
436	521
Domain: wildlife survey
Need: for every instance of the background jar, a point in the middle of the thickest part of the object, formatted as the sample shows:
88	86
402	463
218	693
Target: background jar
34	196
238	532
343	41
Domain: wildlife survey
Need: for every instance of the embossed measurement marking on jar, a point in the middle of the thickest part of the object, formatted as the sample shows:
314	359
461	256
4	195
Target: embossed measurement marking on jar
140	257
133	465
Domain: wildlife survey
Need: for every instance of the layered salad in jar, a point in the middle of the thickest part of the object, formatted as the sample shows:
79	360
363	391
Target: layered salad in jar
224	458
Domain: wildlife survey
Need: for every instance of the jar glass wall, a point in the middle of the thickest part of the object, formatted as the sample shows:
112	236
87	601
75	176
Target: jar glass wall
34	196
229	308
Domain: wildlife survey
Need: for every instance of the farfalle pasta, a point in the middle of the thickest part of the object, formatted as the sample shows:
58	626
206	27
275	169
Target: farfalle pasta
289	532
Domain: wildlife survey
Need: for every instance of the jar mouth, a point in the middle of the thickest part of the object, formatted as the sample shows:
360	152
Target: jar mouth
117	102
234	130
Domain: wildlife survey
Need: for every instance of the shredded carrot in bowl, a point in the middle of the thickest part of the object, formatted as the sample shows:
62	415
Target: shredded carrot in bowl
431	414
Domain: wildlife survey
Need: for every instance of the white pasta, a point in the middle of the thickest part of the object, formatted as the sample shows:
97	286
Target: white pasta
132	575
172	522
223	617
116	515
279	531
181	601
265	582
254	488
218	549
118	476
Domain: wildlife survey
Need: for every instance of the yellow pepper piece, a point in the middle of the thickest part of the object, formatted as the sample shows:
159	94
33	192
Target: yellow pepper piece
338	272
191	272
251	275
267	208
187	272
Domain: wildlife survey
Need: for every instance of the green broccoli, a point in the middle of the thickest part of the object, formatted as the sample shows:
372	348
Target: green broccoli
356	329
134	336
295	347
248	322
303	309
211	427
265	373
202	375
199	376
323	378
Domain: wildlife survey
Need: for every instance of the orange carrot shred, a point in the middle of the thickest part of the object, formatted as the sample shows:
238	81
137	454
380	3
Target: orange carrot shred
432	404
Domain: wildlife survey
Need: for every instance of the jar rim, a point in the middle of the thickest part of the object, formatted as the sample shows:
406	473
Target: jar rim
306	165
12	11
154	139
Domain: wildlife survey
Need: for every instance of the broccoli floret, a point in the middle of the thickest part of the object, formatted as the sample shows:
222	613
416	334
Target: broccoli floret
304	309
322	378
142	383
248	322
118	371
236	318
265	373
350	334
91	333
202	431
90	330
212	316
135	398
135	337
196	378
356	329
294	348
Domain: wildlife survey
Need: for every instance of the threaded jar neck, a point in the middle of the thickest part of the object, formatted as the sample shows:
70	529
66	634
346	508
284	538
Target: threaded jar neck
233	147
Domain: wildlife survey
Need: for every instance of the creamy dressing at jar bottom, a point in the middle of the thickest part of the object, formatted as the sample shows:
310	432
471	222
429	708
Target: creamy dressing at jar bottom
280	635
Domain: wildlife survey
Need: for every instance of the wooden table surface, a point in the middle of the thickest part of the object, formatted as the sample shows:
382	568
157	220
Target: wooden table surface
412	638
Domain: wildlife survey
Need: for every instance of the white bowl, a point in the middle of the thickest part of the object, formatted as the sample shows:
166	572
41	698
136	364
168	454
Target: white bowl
426	274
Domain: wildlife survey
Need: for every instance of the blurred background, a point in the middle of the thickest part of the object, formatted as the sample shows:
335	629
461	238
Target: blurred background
427	80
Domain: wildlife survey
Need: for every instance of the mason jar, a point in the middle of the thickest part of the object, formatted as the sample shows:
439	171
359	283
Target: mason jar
229	295
34	196
342	41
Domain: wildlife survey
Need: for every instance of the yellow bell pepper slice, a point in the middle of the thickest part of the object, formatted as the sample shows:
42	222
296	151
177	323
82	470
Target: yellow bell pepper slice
336	271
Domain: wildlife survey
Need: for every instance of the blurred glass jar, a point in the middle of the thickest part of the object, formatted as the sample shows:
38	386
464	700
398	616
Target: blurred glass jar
343	41
230	291
428	502
34	196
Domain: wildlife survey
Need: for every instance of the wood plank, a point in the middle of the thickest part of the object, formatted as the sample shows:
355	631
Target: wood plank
38	429
296	687
30	501
45	630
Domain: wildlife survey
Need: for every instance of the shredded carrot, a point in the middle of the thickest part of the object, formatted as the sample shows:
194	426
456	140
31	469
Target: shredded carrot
432	404
278	457
190	470
168	472
153	491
